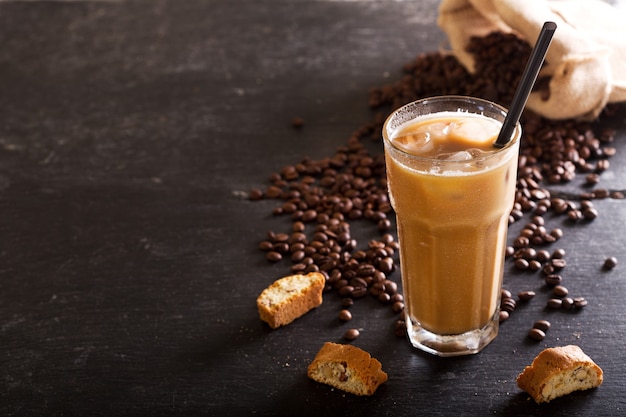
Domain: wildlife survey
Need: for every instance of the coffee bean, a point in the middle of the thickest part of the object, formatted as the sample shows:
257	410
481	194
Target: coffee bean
560	291
543	255
580	302
558	263
536	334
503	316
526	295
567	303
555	303
345	315
351	334
508	304
398	307
609	263
553	279
400	328
347	302
384	297
521	264
346	291
274	256
542	325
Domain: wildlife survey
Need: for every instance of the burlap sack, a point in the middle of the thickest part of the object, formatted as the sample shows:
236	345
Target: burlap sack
586	60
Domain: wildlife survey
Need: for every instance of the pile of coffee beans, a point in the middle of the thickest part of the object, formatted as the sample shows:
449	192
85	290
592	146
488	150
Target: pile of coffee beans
324	198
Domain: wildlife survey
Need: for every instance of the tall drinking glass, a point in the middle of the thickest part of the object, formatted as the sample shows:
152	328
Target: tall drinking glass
452	192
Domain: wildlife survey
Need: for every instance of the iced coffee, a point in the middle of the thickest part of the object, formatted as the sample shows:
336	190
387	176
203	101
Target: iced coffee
452	192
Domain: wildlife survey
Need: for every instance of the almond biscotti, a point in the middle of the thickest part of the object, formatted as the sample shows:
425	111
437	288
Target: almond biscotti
559	371
290	297
347	368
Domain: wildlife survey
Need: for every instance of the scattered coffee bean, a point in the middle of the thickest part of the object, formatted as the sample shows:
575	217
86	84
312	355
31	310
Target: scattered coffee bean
560	291
297	122
542	325
521	264
526	295
553	279
536	334
567	303
398	307
351	334
580	302
609	263
555	303
400	328
503	316
274	256
345	315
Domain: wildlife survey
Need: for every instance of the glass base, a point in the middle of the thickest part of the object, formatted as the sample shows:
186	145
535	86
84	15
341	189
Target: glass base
467	343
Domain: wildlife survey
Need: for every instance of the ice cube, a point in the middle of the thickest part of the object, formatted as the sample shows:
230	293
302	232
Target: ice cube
417	142
456	156
480	131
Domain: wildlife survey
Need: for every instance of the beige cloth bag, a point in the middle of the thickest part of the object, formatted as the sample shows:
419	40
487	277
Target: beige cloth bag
586	60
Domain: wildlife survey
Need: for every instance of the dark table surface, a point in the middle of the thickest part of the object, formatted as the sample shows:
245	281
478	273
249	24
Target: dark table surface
130	134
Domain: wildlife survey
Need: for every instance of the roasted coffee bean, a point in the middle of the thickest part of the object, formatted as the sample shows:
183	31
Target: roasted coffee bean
536	334
567	303
534	265
560	291
543	325
347	302
346	291
543	255
255	194
397	307
359	292
553	279
609	263
397	297
558	254
297	256
351	334
503	316
558	263
526	295
274	256
384	298
345	315
521	242
521	264
266	245
579	302
508	304
386	265
555	303
547	269
400	328
391	287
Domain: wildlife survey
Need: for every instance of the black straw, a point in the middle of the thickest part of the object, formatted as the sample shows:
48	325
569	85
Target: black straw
529	76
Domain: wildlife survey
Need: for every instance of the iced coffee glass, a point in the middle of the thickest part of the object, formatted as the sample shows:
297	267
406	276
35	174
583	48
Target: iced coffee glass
452	192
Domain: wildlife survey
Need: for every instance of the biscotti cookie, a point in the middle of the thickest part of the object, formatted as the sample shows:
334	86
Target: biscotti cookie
559	371
347	368
290	297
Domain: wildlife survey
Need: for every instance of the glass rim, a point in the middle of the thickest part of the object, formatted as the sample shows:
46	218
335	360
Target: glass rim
517	133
